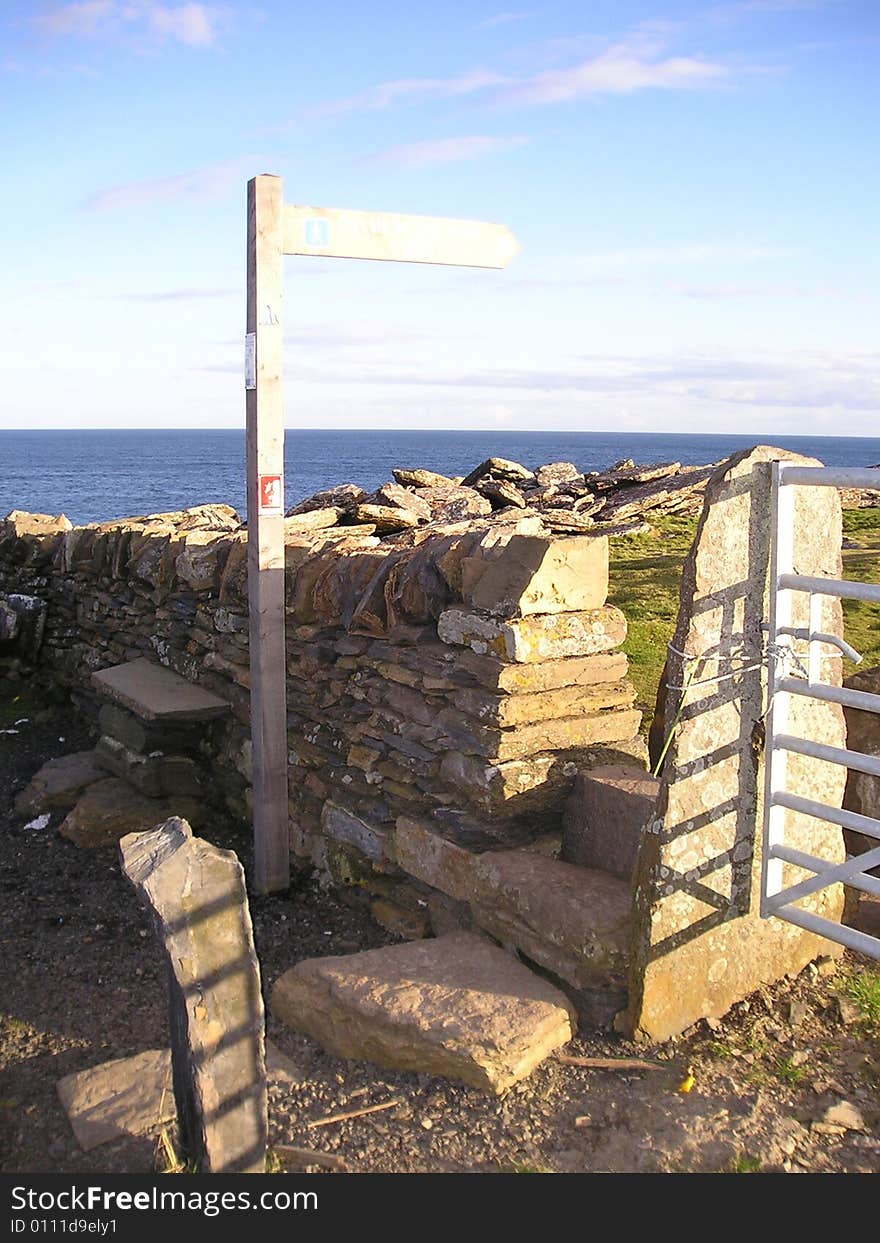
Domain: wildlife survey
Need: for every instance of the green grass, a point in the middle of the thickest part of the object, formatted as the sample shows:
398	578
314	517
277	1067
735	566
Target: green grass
645	585
787	1072
646	581
745	1164
858	521
861	621
863	990
14	705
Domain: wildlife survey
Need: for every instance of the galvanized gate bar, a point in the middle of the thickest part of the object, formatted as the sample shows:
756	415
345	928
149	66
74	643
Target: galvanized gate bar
830	476
822	811
863	700
843	587
862	763
817	636
851	870
776	899
841	933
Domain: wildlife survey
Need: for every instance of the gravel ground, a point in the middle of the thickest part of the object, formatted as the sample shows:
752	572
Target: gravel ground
82	982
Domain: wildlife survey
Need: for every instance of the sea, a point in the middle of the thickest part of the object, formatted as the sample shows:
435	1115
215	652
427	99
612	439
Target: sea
96	475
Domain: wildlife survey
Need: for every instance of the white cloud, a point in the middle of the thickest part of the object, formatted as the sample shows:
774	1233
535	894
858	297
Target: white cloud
192	24
445	150
810	381
677	254
384	94
86	18
504	19
171	295
196	185
631	65
620	70
355	334
719	292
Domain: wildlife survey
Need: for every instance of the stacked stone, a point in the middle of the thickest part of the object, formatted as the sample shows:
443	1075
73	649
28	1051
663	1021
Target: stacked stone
479	719
152	727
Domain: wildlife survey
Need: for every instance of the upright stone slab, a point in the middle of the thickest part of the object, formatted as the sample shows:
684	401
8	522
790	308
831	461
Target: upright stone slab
196	894
605	816
699	941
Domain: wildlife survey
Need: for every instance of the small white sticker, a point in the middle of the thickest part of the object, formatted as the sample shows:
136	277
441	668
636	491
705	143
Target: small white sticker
250	360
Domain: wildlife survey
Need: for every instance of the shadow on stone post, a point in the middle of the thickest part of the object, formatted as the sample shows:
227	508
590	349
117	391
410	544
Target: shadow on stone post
197	897
699	942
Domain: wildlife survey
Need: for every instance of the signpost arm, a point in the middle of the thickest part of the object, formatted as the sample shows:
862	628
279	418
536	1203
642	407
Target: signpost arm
265	512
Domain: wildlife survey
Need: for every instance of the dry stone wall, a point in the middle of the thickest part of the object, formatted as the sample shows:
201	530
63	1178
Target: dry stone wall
460	672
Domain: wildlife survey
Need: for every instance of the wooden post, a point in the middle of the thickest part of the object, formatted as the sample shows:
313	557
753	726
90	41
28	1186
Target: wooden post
265	514
273	231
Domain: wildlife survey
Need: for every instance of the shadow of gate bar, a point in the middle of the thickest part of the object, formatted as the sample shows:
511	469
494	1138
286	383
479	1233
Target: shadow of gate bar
699	941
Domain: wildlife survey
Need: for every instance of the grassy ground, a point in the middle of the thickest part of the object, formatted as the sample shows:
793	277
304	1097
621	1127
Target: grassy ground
646	576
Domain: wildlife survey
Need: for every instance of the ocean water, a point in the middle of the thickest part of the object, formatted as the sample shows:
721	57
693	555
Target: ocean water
96	475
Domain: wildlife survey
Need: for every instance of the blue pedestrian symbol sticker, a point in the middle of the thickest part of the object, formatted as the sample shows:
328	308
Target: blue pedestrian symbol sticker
317	233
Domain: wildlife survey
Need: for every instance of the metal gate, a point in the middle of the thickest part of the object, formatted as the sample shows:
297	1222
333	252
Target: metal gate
793	674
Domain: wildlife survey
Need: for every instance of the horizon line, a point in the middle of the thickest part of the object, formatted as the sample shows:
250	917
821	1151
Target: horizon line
433	431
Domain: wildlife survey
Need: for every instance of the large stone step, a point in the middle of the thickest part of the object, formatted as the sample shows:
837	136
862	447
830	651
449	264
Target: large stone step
572	921
456	1006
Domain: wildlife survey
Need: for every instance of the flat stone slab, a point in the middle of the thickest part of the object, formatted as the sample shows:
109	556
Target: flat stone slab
540	637
456	1006
59	783
539	574
157	694
120	1099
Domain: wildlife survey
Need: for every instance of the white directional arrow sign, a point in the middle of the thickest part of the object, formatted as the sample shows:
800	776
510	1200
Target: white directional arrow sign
339	234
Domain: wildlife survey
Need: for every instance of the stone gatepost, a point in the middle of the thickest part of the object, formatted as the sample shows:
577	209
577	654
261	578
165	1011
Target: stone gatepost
197	898
699	942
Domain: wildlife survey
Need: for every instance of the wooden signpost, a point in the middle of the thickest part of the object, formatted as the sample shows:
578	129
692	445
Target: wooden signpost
274	231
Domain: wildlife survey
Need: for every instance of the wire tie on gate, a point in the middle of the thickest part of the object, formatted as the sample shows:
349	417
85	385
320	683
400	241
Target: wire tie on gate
718	677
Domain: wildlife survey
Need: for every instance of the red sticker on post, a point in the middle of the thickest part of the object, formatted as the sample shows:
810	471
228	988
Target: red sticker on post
271	493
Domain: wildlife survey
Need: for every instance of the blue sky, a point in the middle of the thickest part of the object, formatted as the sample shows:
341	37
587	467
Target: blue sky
694	187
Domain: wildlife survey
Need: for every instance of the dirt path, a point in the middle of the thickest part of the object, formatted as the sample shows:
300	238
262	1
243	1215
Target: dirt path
82	982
